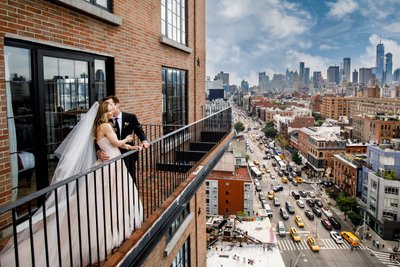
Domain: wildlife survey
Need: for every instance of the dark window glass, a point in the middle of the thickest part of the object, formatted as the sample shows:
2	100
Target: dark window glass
177	222
105	4
182	258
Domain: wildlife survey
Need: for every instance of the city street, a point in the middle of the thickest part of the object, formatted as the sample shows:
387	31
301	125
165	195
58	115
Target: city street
331	253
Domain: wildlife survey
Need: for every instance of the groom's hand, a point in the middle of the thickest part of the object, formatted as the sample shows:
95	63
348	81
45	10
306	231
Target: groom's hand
145	144
102	155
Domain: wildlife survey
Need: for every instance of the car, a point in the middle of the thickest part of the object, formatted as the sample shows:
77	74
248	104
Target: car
335	223
258	188
336	237
295	235
256	162
294	174
295	183
290	178
277	188
310	203
277	203
283	213
295	194
313	244
261	196
298	179
263	203
289	208
303	193
311	194
280	174
265	157
273	164
325	222
276	169
317	211
284	180
271	194
267	170
273	177
299	221
319	203
300	203
309	214
326	211
285	172
251	150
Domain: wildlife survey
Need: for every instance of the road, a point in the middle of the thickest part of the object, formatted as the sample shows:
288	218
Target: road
330	254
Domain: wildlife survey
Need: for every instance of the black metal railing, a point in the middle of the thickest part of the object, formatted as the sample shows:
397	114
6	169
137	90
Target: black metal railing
84	217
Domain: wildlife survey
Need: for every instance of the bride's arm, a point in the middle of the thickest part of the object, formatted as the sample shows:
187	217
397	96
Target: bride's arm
110	134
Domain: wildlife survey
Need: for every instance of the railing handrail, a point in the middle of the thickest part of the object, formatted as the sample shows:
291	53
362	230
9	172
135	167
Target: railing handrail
44	191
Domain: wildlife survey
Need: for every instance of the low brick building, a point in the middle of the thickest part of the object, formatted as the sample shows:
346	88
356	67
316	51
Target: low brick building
346	174
335	107
376	128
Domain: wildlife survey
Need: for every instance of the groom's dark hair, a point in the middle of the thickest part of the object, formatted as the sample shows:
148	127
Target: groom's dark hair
113	97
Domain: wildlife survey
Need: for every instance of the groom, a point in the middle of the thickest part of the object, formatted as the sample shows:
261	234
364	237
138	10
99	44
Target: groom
125	124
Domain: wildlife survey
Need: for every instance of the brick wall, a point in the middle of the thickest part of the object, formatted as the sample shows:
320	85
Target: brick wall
134	45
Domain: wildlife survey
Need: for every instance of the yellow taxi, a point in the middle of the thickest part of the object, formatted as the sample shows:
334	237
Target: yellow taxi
271	194
299	221
298	179
256	162
284	179
267	170
295	235
313	244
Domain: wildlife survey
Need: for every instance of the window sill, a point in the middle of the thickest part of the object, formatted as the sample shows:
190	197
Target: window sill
92	11
178	235
169	42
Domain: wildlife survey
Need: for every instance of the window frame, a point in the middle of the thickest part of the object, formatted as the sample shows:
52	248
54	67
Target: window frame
182	22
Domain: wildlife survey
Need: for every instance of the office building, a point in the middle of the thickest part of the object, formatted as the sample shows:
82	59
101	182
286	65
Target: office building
355	77
223	76
333	75
379	67
396	75
365	75
388	69
301	71
346	68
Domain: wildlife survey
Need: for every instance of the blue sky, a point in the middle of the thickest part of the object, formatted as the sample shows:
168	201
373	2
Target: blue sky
245	37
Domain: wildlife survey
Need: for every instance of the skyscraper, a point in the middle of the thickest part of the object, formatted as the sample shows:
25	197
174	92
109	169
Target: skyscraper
306	75
355	77
333	74
263	80
388	69
380	52
301	71
365	75
317	79
396	74
346	68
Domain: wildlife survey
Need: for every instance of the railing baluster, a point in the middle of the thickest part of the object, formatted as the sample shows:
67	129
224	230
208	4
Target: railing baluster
78	212
31	237
87	220
69	225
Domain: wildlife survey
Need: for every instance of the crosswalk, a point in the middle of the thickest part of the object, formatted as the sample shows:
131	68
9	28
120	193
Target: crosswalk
285	244
384	257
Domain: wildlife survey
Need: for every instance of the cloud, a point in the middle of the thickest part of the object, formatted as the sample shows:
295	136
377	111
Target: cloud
341	8
392	28
368	59
378	10
328	47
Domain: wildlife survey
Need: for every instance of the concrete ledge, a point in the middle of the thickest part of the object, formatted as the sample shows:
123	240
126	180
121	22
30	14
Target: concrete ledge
174	44
92	10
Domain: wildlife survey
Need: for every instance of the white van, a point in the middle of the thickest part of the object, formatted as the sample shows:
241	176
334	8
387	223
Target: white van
281	229
268	210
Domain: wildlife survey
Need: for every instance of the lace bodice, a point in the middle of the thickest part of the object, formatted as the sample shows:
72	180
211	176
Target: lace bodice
111	150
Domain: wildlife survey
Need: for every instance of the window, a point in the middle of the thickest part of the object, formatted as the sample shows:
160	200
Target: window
374	184
49	90
390	203
174	98
173	20
106	4
182	259
178	221
389	215
227	201
392	190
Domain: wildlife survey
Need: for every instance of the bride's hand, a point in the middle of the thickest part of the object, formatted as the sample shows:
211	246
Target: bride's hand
129	138
135	148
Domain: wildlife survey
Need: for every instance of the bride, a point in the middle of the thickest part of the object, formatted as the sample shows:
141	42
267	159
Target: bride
84	219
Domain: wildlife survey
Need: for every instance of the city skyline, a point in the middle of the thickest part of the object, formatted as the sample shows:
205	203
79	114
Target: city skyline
247	37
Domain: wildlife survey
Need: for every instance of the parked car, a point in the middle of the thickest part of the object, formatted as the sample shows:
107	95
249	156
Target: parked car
258	188
271	194
311	194
309	214
336	237
319	203
289	208
261	196
295	183
325	222
280	174
317	211
335	223
277	188
300	203
273	164
273	177
303	193
313	244
277	203
283	213
290	178
310	203
327	212
284	180
295	194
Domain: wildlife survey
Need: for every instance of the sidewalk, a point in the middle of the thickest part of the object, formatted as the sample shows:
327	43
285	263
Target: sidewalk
375	243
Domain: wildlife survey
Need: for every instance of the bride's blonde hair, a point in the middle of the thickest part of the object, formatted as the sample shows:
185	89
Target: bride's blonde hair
101	116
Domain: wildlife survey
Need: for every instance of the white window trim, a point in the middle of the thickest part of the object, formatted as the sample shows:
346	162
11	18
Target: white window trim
178	234
165	40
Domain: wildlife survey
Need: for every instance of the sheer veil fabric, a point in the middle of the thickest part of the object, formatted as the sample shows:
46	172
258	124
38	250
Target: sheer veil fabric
92	215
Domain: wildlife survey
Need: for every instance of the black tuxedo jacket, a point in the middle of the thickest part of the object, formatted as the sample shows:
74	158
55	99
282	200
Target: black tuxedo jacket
130	125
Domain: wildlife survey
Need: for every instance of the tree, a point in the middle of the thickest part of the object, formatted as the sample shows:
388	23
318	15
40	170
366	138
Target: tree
355	217
239	127
296	157
282	140
269	130
346	204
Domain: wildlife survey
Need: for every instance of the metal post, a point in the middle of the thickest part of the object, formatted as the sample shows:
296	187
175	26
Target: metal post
316	229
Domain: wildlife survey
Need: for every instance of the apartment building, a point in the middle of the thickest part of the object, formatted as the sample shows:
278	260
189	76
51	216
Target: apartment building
379	128
59	57
380	194
347	173
334	107
366	105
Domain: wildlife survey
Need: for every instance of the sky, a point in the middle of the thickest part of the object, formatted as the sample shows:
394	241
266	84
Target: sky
245	37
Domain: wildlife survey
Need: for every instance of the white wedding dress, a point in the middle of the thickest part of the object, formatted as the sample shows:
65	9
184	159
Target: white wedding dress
104	208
